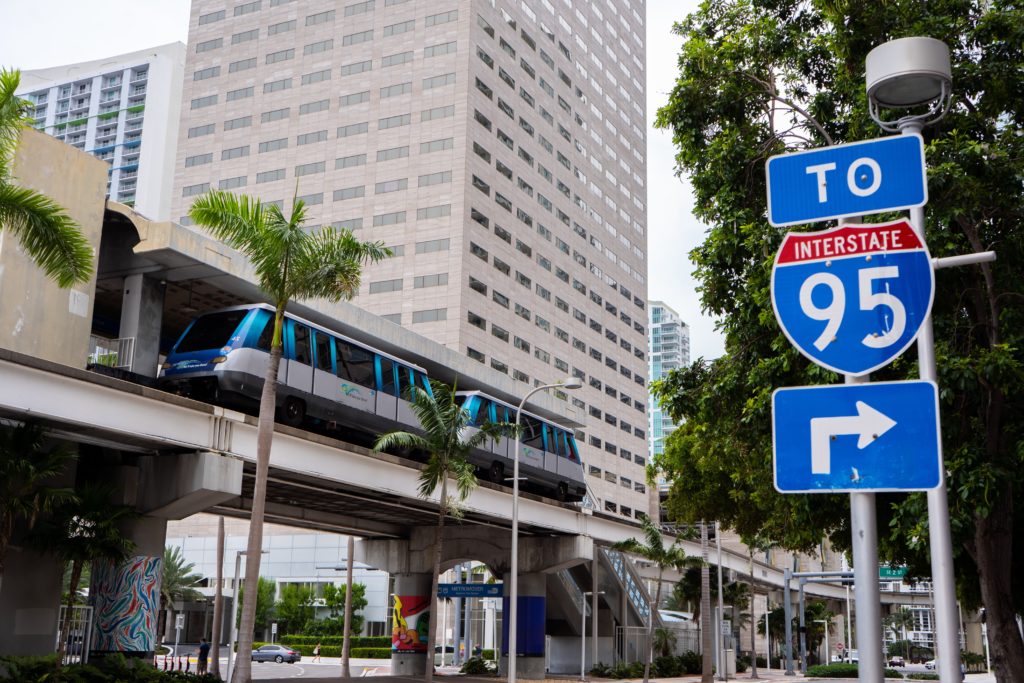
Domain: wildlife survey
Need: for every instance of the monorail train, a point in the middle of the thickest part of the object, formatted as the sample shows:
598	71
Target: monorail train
547	451
333	380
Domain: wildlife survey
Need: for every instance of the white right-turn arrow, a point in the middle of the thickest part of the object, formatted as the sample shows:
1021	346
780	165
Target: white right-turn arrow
868	424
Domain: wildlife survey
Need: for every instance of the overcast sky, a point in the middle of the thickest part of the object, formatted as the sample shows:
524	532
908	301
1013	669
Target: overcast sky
55	32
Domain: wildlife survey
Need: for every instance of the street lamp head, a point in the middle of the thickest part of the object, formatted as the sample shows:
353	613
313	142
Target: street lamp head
906	73
572	383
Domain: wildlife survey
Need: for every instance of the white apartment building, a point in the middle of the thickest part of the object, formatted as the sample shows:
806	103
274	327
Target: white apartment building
669	349
498	148
122	109
293	556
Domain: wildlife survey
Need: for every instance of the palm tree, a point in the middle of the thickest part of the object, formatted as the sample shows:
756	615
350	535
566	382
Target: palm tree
177	582
49	236
444	425
291	263
25	464
81	531
898	623
654	550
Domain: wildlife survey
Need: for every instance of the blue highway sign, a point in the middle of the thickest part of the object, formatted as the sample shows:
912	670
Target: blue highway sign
853	298
469	590
859	178
882	436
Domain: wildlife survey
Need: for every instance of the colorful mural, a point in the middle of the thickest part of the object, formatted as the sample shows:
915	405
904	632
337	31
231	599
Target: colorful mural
126	599
411	619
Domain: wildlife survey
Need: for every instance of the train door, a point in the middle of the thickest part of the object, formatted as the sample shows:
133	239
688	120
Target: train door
387	400
323	376
498	413
357	376
299	358
406	379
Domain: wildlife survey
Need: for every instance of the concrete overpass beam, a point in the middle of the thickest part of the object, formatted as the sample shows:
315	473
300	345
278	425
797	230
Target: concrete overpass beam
176	486
409	627
552	554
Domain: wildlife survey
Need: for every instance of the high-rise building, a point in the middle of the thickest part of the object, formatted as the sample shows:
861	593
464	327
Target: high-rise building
669	349
497	146
122	109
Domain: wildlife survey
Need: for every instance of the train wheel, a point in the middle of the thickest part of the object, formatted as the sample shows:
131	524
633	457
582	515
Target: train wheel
562	492
497	473
293	412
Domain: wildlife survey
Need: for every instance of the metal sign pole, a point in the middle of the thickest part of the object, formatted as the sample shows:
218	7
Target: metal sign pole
947	647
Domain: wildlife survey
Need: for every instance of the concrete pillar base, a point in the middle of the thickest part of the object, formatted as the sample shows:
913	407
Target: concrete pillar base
531	620
409	638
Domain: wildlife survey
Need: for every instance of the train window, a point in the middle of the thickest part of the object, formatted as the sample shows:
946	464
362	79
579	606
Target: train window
471	404
267	333
533	432
559	442
302	350
387	376
354	364
323	352
424	382
574	454
405	382
211	331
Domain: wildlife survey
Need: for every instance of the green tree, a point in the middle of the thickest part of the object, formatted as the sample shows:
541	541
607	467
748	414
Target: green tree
334	598
294	608
27	464
445	427
764	78
49	236
653	548
81	531
177	582
266	589
291	262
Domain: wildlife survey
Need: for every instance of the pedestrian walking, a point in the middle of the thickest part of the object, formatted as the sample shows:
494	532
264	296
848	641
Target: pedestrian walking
316	653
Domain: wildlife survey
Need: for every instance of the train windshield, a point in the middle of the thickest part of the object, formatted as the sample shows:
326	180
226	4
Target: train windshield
211	331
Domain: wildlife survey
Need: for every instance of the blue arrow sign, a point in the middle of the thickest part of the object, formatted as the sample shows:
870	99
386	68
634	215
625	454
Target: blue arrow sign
853	298
855	179
882	436
469	590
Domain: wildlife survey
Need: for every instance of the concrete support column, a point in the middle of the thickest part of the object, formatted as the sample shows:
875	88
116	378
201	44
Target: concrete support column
532	617
141	312
126	596
411	615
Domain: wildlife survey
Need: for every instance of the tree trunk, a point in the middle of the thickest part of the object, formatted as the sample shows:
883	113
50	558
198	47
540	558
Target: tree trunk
650	627
76	575
218	603
994	558
432	625
706	675
346	644
753	627
264	438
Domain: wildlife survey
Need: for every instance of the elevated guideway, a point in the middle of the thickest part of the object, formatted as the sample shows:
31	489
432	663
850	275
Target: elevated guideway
316	482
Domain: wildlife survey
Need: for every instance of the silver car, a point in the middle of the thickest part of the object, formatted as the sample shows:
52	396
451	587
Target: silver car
275	653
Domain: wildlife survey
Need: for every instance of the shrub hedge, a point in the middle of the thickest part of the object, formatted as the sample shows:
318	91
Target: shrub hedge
843	670
363	652
102	670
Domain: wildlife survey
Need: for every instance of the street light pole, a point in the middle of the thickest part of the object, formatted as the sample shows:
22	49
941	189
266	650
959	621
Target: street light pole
570	383
900	74
583	633
722	664
234	614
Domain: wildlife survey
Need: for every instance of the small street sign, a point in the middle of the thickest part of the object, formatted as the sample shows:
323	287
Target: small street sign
882	436
853	298
469	590
179	621
854	179
840	647
892	572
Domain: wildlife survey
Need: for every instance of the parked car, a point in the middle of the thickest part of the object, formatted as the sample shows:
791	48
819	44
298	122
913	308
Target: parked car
930	664
449	654
275	653
896	661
